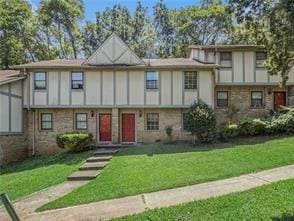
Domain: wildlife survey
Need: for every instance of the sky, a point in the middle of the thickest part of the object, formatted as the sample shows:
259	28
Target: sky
92	6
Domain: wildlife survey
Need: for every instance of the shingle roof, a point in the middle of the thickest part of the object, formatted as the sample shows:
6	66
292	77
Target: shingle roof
7	76
78	63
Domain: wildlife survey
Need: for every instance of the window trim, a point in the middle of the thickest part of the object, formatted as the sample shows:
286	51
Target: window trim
147	121
71	80
217	100
41	121
76	121
184	81
46	79
158	81
262	100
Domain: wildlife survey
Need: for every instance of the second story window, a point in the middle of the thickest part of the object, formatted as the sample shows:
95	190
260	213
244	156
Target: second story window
226	59
222	99
40	81
77	80
256	99
151	80
81	121
190	80
260	58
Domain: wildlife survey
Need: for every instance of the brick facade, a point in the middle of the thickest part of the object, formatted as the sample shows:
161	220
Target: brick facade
239	97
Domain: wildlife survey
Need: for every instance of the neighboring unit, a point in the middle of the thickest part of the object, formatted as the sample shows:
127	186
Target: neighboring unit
121	98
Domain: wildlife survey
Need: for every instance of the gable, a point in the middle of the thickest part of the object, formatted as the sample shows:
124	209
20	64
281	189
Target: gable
114	51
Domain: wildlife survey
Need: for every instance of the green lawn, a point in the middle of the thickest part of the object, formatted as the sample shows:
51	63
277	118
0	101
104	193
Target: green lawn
273	202
154	167
36	173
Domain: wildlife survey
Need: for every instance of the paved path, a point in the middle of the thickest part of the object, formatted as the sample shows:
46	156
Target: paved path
29	204
108	209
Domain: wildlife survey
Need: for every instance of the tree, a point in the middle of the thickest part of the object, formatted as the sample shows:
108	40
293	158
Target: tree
201	122
90	39
60	19
270	23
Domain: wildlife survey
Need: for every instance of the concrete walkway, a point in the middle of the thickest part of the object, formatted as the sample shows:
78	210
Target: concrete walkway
108	209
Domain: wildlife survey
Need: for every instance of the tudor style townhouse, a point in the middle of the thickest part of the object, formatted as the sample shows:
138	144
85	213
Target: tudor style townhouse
121	98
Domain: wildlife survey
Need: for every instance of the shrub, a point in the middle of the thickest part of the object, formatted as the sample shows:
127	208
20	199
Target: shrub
169	132
282	122
201	122
227	131
248	126
74	141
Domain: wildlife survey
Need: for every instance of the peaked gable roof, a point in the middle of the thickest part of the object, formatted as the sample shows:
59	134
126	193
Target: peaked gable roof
114	51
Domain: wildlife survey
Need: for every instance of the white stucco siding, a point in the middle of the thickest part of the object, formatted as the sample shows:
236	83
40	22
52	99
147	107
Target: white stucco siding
166	83
40	98
25	91
261	76
249	66
16	88
93	87
152	97
64	88
4	112
225	76
206	87
238	66
77	97
190	97
16	114
53	87
107	88
291	76
121	88
177	87
4	88
136	87
31	79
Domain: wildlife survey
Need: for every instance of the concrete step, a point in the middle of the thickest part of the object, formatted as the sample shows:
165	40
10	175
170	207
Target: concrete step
93	165
84	175
99	158
105	152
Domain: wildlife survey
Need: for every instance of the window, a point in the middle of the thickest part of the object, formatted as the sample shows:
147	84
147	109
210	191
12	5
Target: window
77	81
81	122
152	121
190	79
185	121
256	99
46	121
260	58
40	81
226	59
151	80
222	99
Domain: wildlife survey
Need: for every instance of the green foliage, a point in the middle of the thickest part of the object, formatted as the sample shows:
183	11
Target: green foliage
227	131
201	122
169	132
74	141
248	126
282	122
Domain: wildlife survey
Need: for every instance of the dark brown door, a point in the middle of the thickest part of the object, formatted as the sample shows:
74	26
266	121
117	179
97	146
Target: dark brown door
128	127
105	127
279	99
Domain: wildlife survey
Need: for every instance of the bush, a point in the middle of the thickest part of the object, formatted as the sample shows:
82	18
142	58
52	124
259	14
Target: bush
282	122
74	141
169	132
201	122
248	126
227	131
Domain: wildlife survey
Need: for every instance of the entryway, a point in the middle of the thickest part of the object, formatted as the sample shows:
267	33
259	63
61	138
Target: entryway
128	128
279	99
105	127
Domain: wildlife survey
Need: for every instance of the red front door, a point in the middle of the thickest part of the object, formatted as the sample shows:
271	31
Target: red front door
128	127
279	100
105	127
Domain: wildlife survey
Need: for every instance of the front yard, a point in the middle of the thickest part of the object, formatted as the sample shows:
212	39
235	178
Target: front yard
271	202
154	167
36	173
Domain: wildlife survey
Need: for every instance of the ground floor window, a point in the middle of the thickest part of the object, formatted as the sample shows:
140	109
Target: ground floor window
46	121
81	121
152	121
222	99
256	99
